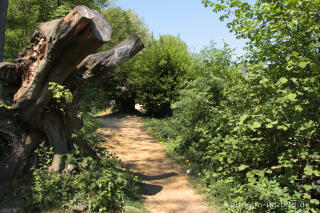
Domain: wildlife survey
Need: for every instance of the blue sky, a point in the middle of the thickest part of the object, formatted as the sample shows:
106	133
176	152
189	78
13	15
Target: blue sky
195	24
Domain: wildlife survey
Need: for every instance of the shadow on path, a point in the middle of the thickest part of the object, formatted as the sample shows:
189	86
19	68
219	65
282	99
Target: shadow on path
149	189
154	177
164	185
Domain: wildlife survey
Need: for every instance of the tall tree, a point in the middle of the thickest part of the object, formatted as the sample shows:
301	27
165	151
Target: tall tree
3	19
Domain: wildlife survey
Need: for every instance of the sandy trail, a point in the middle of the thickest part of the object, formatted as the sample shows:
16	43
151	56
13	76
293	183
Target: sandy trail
164	185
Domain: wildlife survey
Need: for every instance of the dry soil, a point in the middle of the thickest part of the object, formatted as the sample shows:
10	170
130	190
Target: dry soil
164	183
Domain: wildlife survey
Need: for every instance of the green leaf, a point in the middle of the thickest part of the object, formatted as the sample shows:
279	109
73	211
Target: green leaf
242	167
303	64
93	185
298	108
315	201
264	80
282	127
294	80
243	118
269	126
256	125
291	96
308	170
307	187
229	180
282	81
215	174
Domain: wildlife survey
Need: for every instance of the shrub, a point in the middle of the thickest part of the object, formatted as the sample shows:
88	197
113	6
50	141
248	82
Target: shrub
160	72
99	184
256	136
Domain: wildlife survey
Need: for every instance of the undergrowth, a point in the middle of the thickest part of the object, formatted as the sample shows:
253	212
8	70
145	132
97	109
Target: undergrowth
97	184
253	138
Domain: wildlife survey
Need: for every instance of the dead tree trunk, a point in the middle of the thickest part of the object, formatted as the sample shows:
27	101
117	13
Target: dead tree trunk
59	51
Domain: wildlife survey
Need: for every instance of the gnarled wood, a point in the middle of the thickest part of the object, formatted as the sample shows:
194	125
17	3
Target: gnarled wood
58	52
97	65
61	45
15	154
93	68
55	49
54	129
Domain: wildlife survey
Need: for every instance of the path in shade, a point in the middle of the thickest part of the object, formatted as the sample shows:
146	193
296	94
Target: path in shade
164	185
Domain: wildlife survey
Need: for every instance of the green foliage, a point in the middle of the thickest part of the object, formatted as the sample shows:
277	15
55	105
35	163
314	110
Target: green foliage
160	72
257	136
6	106
87	134
22	18
60	93
96	97
100	184
123	23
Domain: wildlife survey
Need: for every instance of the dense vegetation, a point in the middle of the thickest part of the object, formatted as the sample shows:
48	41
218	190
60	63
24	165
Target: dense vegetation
159	73
249	128
95	181
95	184
255	139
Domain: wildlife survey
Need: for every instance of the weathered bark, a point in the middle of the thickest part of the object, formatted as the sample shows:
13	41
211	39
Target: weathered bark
3	20
14	154
58	52
62	45
96	65
93	68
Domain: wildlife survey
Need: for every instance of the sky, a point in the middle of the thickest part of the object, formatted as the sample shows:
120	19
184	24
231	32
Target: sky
195	24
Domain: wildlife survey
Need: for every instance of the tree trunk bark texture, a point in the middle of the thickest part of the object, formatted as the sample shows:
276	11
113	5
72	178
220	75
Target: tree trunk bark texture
3	20
59	51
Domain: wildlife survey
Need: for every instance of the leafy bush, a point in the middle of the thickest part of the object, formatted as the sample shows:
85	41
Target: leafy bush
258	136
160	72
60	94
93	180
99	184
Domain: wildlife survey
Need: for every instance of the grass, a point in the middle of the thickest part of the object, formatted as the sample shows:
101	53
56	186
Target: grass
135	207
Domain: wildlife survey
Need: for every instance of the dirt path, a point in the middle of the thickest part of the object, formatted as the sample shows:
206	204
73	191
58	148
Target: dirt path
165	186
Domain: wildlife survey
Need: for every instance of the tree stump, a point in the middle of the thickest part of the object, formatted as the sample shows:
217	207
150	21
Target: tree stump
59	51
